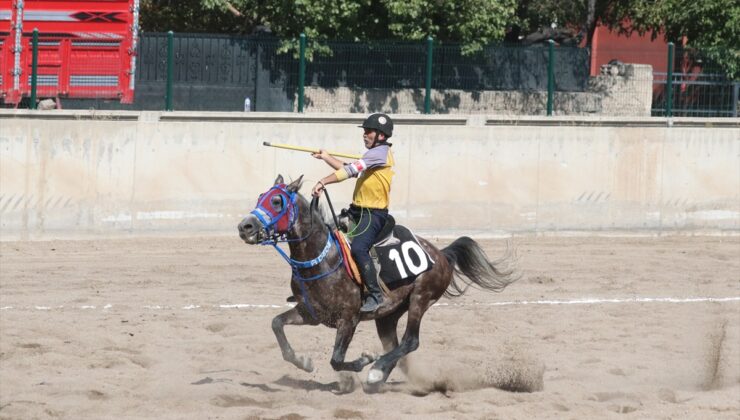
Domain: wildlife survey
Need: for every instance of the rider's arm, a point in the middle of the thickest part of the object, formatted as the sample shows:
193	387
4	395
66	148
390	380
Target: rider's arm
374	157
377	156
329	179
329	159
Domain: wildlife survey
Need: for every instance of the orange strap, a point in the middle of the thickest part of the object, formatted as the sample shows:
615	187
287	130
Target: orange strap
349	263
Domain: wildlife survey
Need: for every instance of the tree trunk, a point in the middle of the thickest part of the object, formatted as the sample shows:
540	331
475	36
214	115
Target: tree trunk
590	22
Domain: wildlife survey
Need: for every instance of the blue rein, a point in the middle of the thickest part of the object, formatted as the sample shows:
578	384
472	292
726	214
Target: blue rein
298	265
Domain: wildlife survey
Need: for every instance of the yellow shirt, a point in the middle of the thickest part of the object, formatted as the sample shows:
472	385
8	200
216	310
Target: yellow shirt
375	173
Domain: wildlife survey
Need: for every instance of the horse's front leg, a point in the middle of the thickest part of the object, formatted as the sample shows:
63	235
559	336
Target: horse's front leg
291	317
345	331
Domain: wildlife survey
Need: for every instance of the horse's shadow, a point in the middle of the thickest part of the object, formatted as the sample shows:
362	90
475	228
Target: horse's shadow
309	384
345	385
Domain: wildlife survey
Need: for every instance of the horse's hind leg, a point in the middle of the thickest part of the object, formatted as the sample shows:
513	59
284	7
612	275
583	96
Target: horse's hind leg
291	317
345	331
410	342
386	327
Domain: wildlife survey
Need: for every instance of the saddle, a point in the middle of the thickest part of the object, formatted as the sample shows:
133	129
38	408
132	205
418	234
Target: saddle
396	249
387	230
345	220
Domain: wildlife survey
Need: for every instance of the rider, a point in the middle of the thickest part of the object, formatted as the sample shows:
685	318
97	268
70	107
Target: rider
370	199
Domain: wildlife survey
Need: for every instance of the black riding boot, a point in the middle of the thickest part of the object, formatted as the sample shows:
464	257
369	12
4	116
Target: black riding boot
374	297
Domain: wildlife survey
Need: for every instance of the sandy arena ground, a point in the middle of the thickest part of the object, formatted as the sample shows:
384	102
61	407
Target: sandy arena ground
175	328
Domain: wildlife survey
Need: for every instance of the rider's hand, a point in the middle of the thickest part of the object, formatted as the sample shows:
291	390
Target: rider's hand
317	189
321	154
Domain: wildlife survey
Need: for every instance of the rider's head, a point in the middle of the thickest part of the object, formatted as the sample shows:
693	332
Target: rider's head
378	128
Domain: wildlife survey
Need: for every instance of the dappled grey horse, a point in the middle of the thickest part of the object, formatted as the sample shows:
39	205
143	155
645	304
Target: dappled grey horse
326	294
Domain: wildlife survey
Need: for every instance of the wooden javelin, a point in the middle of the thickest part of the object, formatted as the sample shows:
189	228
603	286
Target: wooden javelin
306	149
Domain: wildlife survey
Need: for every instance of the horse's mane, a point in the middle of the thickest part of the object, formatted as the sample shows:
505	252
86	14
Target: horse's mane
319	210
323	213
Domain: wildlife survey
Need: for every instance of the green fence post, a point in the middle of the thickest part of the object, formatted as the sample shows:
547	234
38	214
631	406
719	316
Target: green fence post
170	69
428	90
302	72
550	75
669	83
34	67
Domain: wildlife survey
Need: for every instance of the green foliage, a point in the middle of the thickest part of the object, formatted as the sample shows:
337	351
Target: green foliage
186	16
713	26
533	15
474	23
710	26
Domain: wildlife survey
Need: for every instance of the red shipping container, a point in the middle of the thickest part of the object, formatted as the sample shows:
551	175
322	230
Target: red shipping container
87	49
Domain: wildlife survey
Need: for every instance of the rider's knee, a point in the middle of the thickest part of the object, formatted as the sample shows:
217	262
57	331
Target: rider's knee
360	256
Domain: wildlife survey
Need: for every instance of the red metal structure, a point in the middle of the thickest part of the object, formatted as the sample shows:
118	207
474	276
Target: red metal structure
87	49
608	45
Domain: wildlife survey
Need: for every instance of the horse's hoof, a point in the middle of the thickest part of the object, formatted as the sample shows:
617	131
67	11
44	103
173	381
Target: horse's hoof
305	363
375	376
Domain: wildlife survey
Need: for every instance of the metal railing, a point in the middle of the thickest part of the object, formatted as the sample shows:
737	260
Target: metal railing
685	83
214	72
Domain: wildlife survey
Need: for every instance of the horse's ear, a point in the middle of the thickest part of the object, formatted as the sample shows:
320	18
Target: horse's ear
296	185
279	180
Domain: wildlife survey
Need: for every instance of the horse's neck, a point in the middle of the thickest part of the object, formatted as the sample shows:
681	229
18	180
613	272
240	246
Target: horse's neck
315	233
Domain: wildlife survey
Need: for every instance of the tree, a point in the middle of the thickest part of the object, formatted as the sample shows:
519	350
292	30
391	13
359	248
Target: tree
471	22
474	23
580	17
186	16
710	26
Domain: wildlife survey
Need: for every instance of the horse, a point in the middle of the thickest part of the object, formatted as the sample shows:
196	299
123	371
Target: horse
326	294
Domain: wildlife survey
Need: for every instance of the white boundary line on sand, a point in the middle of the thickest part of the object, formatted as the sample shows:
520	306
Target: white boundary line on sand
581	301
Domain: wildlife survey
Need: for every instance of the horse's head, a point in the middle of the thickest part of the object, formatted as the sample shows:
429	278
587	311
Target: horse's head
275	214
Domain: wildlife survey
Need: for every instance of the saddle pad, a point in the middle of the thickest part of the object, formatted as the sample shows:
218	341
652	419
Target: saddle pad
349	263
401	256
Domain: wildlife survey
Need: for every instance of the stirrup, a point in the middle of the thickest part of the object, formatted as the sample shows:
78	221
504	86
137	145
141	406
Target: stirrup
371	304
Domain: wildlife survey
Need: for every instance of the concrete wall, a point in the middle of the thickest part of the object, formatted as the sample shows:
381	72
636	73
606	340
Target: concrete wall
72	173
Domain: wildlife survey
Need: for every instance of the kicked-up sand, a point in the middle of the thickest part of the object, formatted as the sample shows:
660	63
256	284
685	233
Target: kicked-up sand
179	328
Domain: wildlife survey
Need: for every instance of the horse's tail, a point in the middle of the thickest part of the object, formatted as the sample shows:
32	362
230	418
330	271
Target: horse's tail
472	266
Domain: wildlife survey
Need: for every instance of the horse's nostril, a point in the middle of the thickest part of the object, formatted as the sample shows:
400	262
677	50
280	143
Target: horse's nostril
248	226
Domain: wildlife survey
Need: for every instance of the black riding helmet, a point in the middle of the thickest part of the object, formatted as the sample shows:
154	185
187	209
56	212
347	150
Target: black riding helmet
380	122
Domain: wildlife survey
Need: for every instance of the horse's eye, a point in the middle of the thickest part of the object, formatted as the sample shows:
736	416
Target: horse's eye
277	202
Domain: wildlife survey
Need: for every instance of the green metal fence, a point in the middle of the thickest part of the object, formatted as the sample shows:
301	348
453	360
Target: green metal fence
416	77
694	86
683	82
225	73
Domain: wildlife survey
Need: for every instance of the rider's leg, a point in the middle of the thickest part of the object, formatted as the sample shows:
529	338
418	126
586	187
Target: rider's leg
370	276
370	224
